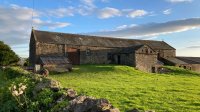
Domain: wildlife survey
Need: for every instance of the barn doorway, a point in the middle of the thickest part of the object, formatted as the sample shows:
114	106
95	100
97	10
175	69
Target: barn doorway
74	55
118	59
153	69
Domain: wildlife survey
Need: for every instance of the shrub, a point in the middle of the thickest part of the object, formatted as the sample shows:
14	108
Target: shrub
59	106
45	98
7	55
14	76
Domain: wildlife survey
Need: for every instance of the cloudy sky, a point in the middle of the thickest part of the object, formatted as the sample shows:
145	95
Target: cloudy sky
175	21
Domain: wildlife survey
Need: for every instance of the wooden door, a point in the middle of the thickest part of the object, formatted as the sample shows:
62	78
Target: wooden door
74	55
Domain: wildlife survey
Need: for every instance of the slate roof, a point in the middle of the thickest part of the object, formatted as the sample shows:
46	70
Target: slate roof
184	60
48	60
175	60
76	39
131	49
190	60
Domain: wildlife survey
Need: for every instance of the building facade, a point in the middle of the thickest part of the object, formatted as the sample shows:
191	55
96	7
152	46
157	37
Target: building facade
83	49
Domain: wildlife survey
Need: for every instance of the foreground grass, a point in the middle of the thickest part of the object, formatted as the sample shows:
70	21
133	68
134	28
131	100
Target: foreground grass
127	88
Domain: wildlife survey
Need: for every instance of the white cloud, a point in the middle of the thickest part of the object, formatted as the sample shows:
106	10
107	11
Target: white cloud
179	1
16	22
124	27
152	29
108	13
89	3
88	7
167	11
49	24
136	13
62	12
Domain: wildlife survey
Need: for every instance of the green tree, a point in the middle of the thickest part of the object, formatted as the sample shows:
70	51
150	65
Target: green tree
27	62
7	55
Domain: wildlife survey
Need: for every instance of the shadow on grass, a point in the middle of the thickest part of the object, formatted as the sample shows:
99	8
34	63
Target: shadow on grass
80	69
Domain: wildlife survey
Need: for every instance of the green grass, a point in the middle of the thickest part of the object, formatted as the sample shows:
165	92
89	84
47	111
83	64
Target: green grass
127	88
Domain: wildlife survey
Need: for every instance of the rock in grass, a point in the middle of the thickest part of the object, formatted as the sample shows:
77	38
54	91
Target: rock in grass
70	93
90	104
47	83
103	104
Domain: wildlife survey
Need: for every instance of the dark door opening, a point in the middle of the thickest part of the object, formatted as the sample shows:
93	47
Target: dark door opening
118	59
153	69
74	55
158	56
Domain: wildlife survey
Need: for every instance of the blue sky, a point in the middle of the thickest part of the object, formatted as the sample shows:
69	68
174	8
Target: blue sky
174	21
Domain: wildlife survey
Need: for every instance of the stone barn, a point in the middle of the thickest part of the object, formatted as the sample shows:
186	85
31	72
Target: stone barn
190	63
83	49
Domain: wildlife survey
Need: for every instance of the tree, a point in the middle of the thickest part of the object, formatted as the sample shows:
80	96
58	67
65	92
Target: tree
7	55
27	62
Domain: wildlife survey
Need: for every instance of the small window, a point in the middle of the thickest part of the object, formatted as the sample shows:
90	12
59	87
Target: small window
88	52
151	52
146	51
184	67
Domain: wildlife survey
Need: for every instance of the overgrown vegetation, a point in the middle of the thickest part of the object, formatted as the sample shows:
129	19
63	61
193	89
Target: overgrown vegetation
16	92
7	55
127	88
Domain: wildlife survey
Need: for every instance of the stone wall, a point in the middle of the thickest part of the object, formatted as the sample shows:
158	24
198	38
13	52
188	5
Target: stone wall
185	66
196	67
145	62
166	53
193	67
96	55
143	59
49	49
43	49
125	59
146	59
32	51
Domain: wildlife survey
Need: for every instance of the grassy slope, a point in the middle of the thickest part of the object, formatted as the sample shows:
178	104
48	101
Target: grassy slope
127	88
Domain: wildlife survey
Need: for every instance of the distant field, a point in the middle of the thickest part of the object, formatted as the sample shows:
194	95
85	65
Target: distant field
127	88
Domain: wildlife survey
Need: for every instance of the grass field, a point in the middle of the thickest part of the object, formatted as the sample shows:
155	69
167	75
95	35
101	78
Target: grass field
127	88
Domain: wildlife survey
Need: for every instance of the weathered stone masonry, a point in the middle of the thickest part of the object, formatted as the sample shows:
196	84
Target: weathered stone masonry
83	49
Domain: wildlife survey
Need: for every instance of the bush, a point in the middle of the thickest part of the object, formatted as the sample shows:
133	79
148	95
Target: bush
7	55
15	98
14	72
15	77
59	106
45	98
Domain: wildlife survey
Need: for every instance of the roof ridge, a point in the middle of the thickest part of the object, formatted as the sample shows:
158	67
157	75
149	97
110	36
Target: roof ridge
78	39
186	59
107	37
